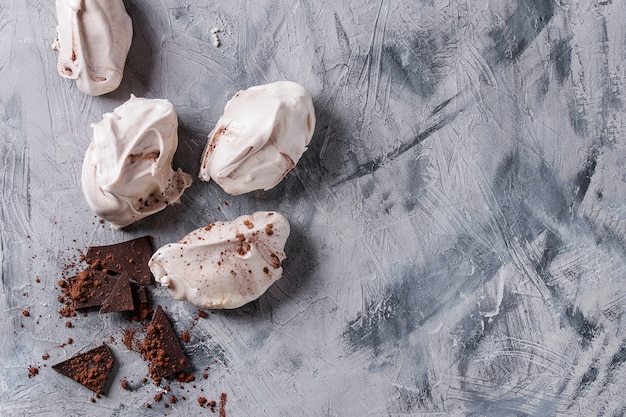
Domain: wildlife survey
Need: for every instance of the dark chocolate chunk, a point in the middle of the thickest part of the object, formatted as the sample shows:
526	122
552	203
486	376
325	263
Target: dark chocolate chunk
131	256
140	293
120	298
90	288
90	369
162	348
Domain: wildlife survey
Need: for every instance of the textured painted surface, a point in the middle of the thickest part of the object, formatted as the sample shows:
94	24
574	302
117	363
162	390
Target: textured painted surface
458	223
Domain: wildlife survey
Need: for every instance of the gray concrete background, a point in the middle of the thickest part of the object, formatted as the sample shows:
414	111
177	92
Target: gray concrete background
458	222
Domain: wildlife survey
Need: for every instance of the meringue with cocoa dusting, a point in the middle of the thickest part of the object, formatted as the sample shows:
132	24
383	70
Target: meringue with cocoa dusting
260	137
226	264
127	172
93	40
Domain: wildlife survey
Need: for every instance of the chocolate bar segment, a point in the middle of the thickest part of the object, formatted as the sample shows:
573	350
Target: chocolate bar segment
162	348
90	369
120	297
131	256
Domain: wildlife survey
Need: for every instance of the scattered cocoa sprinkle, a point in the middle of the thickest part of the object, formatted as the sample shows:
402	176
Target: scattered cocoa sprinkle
173	399
70	340
148	405
92	399
205	376
248	224
267	271
226	203
209	227
25	313
32	371
127	338
269	229
223	398
212	405
185	377
37	280
45	356
158	397
62	283
69	324
202	401
124	384
166	405
101	221
186	336
202	314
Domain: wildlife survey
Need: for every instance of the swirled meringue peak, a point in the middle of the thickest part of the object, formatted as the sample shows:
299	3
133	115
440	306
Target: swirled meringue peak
226	264
93	40
260	137
127	171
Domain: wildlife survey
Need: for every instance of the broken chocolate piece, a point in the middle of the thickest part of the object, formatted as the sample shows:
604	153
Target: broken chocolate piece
90	369
131	256
140	293
120	298
90	288
162	348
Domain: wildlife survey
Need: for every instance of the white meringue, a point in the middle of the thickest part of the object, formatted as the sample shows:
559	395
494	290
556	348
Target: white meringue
226	264
260	137
93	39
127	172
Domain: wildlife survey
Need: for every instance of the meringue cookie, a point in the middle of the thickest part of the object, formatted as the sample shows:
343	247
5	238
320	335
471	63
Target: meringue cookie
93	39
260	137
127	172
226	264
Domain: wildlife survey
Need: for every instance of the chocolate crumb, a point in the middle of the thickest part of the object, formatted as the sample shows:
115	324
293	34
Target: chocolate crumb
70	340
32	371
202	314
92	399
69	324
186	336
124	384
45	357
25	313
202	401
158	397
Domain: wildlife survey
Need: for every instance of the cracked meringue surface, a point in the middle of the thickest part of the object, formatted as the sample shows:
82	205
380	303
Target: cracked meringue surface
226	264
127	171
260	137
93	40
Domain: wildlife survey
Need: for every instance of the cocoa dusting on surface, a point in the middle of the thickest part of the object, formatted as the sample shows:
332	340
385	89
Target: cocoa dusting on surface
91	369
223	399
248	224
269	229
127	338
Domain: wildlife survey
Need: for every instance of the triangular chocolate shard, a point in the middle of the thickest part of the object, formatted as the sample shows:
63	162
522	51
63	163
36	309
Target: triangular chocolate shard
120	298
90	369
90	288
162	348
131	256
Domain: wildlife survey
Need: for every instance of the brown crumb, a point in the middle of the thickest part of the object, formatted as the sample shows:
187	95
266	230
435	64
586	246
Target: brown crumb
269	229
45	357
202	401
202	314
173	399
186	336
127	338
223	398
92	399
37	280
70	340
124	384
69	324
148	405
25	313
205	376
248	224
158	397
62	283
32	371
